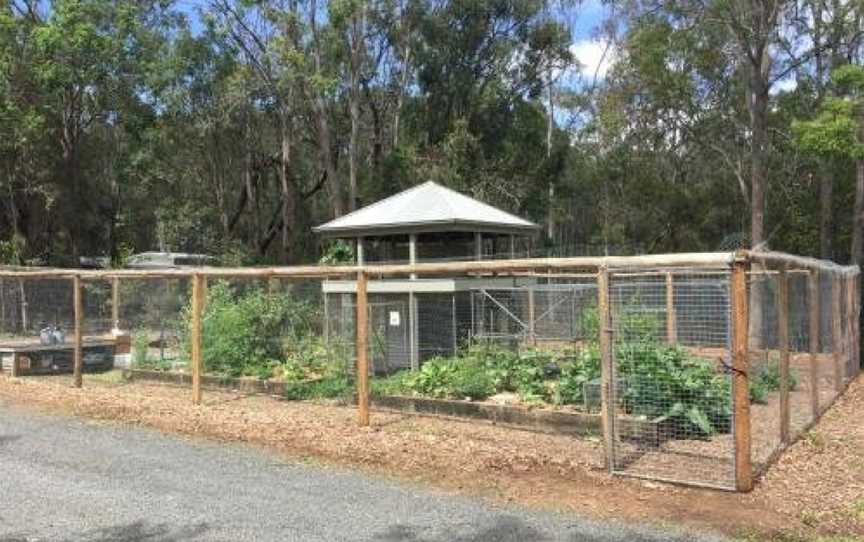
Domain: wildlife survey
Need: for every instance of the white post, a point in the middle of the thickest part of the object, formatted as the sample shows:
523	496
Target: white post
478	246
361	260
412	252
413	328
512	246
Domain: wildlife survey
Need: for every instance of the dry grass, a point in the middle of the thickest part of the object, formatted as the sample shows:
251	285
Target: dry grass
816	488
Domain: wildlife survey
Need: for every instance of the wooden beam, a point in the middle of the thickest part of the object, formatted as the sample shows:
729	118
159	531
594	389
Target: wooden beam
740	379
362	350
671	318
837	333
710	260
813	333
78	315
196	361
607	395
783	345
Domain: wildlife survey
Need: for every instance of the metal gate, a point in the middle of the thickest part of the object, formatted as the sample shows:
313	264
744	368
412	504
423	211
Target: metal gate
670	406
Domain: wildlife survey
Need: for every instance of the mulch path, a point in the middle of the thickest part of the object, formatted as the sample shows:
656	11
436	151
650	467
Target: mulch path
817	486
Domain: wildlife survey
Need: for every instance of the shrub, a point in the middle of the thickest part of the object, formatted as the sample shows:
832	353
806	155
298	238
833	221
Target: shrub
250	333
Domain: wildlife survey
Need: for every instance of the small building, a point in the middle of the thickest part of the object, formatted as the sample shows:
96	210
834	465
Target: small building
411	318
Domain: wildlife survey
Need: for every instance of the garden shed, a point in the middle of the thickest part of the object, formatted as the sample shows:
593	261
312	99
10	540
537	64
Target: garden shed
413	318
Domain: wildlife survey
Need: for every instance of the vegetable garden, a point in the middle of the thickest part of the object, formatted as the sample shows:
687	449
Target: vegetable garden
698	369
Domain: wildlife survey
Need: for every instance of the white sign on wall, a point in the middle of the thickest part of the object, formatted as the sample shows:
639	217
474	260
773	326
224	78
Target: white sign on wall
394	318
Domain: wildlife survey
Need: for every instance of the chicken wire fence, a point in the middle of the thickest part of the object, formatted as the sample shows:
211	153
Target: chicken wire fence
525	339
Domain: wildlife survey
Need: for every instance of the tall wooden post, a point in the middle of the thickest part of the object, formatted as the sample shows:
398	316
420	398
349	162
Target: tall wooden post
196	363
813	332
836	334
532	316
783	340
77	352
115	303
671	323
740	381
851	347
607	395
362	349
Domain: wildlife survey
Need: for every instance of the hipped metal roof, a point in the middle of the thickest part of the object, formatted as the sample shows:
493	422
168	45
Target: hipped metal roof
425	208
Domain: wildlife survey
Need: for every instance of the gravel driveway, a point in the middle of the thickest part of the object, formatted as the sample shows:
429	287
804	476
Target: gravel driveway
64	478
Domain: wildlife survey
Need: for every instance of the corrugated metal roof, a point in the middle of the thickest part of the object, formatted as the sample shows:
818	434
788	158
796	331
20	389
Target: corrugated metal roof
426	207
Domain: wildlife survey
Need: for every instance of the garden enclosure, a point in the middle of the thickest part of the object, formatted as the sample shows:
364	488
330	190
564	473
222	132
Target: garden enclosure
694	368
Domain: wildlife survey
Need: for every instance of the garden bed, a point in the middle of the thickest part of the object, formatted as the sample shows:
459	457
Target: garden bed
212	382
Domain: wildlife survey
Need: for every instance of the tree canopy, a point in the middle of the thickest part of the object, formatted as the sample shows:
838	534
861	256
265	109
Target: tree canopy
231	127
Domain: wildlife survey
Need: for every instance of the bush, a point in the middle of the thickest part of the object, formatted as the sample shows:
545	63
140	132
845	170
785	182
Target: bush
251	333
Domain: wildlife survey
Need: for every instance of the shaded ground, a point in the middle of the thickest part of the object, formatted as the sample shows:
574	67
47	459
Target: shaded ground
506	465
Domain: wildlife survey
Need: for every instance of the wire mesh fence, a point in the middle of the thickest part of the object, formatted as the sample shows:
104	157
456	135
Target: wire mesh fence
671	392
521	346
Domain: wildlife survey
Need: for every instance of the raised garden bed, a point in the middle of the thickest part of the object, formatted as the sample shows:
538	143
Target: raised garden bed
26	358
213	382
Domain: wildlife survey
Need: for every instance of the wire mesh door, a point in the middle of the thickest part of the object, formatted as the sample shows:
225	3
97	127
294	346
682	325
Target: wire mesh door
670	405
388	337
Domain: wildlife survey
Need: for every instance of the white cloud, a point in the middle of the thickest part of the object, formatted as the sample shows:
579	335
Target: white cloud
593	56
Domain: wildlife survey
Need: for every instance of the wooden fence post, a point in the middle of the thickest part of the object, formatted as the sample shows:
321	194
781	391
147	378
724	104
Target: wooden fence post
836	333
196	364
77	352
362	349
850	326
815	328
671	322
532	315
740	381
783	344
607	369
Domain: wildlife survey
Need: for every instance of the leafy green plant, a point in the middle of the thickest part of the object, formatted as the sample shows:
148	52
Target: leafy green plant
765	378
251	333
665	380
570	389
338	252
140	346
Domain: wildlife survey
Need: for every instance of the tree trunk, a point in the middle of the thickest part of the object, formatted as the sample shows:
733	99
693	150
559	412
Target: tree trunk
289	195
400	95
324	139
757	105
357	37
550	126
858	218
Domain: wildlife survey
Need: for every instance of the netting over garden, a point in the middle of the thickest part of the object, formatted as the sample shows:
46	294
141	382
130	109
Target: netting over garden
697	369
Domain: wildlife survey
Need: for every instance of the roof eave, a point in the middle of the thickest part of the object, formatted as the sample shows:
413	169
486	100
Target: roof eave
425	227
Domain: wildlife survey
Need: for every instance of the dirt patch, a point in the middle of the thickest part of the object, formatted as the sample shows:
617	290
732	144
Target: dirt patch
812	489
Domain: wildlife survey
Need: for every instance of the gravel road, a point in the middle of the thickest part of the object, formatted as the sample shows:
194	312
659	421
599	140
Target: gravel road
64	478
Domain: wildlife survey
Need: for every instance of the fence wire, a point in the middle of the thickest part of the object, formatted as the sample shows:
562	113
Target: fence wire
671	395
527	341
